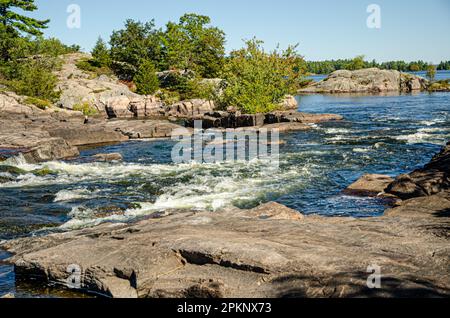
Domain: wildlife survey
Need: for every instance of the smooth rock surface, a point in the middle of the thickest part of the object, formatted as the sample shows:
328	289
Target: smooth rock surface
369	185
431	179
372	80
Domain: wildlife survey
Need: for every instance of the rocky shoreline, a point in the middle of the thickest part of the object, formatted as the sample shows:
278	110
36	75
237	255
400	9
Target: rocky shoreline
269	251
372	80
57	132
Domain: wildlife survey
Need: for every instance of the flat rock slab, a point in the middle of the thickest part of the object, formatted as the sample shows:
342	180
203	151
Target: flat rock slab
265	252
369	185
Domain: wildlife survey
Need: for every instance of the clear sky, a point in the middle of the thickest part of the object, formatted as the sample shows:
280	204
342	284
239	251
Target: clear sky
325	29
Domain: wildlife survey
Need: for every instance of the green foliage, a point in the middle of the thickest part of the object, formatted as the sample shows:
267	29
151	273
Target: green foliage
327	67
91	66
356	64
192	44
100	54
18	23
51	47
258	81
169	97
133	45
146	80
431	72
414	67
442	85
86	108
39	103
44	172
444	66
34	78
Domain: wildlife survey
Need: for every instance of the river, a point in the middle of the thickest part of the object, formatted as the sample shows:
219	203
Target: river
380	134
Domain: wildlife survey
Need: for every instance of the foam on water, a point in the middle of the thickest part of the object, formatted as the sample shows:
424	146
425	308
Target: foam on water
207	191
69	195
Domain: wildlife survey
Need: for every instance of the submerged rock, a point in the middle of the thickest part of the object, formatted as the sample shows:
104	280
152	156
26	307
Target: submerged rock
108	157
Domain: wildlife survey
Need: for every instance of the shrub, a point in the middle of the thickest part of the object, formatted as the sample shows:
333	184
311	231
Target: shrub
92	67
39	103
258	81
169	97
146	80
431	72
86	108
34	78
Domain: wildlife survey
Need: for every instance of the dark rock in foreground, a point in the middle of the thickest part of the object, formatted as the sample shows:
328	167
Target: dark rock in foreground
431	179
221	119
254	253
369	185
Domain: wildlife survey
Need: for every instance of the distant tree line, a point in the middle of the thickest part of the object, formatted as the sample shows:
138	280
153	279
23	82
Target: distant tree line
327	67
444	66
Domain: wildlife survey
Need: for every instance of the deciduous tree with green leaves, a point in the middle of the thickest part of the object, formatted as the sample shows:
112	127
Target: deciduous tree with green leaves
134	44
258	81
192	44
431	72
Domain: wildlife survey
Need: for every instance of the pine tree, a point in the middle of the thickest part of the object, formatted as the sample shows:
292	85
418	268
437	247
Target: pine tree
18	22
146	80
100	53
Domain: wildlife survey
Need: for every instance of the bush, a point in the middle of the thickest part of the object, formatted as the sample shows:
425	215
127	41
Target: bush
91	66
146	80
34	78
86	108
169	97
39	103
258	81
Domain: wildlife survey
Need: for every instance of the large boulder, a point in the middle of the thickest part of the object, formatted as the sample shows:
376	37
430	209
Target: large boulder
369	185
106	94
50	149
139	129
190	108
87	135
289	103
372	80
431	179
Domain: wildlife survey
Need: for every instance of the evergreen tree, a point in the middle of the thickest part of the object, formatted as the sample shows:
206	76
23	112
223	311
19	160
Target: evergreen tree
18	22
146	80
100	53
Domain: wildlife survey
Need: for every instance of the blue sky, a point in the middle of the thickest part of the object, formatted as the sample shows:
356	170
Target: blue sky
325	29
